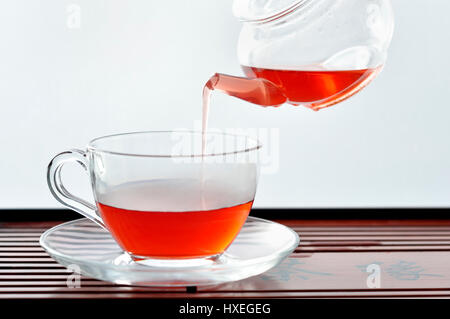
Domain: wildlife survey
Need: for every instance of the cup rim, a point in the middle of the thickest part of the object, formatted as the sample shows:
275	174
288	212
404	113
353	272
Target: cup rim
97	149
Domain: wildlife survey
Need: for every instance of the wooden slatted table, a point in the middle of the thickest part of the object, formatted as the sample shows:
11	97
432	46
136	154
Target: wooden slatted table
331	261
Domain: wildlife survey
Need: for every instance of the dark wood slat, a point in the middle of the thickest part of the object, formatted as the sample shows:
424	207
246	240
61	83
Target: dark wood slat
300	294
4	232
370	228
374	238
100	289
53	283
374	249
374	243
375	233
20	244
366	223
315	235
47	259
44	265
330	236
34	271
139	290
21	249
313	231
304	239
32	276
13	230
19	239
32	240
87	286
19	234
23	254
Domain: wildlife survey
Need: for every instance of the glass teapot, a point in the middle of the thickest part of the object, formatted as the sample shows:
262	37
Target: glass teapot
314	53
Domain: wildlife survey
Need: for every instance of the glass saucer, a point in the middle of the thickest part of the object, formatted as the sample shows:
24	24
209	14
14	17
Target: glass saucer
260	245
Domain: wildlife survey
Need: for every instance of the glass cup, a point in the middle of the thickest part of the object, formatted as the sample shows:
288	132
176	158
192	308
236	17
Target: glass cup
162	199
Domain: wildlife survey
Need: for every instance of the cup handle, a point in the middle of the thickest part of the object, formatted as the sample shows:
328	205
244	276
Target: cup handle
61	193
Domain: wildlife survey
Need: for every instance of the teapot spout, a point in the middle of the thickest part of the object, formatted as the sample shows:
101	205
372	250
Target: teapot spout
254	90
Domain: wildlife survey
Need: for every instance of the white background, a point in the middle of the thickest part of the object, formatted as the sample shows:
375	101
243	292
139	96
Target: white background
140	65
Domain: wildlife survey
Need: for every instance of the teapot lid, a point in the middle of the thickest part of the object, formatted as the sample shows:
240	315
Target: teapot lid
264	10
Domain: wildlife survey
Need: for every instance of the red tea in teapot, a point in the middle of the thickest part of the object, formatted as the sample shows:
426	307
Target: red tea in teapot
315	89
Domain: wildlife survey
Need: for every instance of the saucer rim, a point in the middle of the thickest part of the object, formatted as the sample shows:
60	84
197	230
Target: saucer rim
280	254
